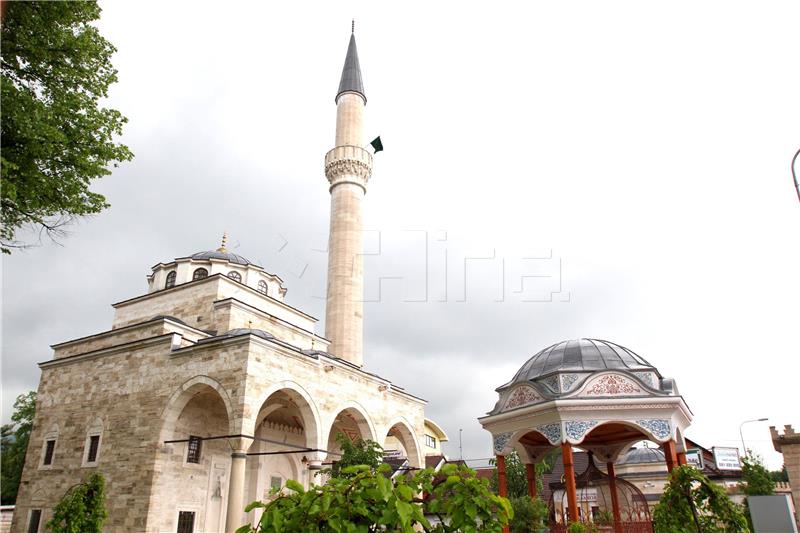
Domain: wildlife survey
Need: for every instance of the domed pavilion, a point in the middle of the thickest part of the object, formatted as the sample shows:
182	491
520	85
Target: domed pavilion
592	394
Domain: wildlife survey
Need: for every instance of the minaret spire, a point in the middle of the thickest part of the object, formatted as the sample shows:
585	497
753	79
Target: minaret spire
348	168
351	72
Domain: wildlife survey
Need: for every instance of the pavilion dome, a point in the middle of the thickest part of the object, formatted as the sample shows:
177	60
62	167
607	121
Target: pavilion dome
581	355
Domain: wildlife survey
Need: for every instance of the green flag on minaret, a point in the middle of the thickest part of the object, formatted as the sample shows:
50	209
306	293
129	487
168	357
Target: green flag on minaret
377	145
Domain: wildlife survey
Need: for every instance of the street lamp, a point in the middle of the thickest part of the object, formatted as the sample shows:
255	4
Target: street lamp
741	435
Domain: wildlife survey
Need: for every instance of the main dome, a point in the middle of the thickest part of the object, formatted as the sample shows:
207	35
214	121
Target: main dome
582	355
225	256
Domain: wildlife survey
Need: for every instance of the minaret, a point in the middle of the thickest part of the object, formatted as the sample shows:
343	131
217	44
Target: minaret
348	168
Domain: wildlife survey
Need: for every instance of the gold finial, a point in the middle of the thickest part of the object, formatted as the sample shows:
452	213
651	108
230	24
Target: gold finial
222	247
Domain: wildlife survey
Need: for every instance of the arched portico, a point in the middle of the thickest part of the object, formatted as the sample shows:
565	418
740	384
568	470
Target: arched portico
194	454
351	420
401	438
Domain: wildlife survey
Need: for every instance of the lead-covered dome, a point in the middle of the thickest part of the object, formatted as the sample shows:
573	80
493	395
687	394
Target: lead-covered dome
581	355
219	254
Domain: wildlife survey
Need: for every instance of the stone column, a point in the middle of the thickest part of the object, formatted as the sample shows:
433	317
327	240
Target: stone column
612	485
669	454
530	470
233	518
569	477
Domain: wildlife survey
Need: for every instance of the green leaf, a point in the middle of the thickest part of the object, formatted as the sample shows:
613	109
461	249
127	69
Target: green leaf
295	486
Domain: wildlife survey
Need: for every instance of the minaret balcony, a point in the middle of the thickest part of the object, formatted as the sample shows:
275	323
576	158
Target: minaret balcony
348	164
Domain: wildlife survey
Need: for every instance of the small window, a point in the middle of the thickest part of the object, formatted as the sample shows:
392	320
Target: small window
193	453
262	287
33	523
186	522
50	447
170	280
275	482
94	447
430	442
235	276
200	273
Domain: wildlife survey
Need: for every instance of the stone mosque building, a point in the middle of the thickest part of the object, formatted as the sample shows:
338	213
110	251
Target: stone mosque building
209	389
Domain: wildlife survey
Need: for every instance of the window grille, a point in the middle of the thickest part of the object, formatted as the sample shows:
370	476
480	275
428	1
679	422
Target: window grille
170	280
193	454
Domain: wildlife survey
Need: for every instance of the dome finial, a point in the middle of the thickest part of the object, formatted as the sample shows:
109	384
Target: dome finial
353	26
222	247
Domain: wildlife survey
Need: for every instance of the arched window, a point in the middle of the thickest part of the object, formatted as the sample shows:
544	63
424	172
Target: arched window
200	273
170	280
91	447
235	276
262	287
49	447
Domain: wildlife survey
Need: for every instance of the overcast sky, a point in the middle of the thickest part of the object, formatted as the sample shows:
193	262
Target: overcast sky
634	154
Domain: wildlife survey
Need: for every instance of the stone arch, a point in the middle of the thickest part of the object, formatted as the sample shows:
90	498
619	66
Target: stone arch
407	438
655	430
305	404
184	394
359	425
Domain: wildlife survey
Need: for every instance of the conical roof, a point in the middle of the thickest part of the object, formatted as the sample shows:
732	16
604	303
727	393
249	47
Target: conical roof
351	73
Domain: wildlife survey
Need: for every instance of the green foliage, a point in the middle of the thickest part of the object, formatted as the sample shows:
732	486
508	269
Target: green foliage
757	479
14	439
579	527
517	477
604	517
82	509
781	475
529	515
692	503
366	500
56	137
360	452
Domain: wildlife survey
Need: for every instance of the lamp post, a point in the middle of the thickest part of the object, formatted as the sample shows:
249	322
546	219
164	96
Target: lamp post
741	435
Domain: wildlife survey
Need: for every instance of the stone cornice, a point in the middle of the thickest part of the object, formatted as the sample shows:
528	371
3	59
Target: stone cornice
233	302
132	327
111	350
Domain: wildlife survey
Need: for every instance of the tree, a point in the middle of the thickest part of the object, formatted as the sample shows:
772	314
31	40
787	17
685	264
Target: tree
757	480
529	515
691	503
56	137
781	475
82	509
367	500
14	445
359	452
517	476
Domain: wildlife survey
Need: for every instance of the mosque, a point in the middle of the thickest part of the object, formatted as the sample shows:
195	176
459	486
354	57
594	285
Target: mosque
209	389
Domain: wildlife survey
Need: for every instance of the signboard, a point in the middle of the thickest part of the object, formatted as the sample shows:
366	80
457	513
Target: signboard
694	457
589	494
727	458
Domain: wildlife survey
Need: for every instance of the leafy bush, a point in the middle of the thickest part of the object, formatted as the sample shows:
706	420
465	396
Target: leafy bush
529	515
82	509
365	500
692	503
